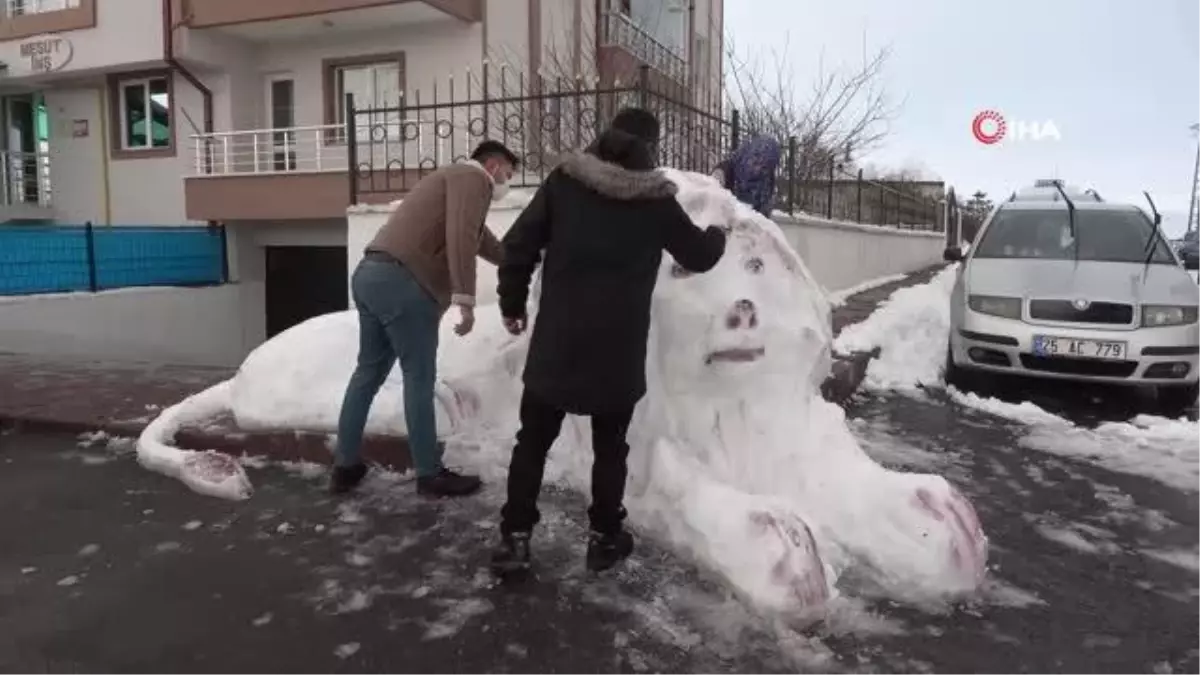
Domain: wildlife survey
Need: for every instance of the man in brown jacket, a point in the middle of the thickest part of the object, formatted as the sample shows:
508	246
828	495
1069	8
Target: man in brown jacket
421	261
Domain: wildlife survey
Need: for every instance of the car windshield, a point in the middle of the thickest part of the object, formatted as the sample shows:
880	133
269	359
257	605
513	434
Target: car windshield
1102	236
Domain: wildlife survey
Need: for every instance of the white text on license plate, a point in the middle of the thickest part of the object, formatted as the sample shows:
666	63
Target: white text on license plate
1045	345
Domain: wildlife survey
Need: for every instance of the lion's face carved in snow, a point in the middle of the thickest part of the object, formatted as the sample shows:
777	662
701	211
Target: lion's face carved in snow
756	316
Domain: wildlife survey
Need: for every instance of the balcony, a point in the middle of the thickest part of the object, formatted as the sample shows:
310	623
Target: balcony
301	173
27	18
24	186
267	174
283	19
621	32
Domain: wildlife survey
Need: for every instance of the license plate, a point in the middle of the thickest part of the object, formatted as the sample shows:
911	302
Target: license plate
1047	345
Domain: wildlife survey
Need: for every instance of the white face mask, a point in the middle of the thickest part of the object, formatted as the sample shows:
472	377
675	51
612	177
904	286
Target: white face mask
498	191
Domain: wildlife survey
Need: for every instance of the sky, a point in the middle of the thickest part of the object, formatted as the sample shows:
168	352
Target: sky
1118	79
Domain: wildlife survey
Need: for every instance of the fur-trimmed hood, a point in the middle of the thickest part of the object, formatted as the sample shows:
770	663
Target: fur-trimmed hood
613	180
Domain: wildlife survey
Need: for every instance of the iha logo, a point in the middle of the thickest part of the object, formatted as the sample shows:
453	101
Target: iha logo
990	128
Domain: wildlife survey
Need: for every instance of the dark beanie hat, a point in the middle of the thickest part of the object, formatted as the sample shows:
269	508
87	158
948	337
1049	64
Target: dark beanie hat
637	122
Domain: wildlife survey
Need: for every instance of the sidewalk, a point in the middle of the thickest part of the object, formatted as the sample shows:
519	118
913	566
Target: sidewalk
121	398
43	393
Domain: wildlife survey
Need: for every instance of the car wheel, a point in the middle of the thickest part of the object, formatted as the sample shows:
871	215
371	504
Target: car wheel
956	376
1174	400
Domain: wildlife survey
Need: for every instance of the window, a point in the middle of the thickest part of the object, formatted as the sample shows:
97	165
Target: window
1100	235
145	110
283	118
20	7
376	88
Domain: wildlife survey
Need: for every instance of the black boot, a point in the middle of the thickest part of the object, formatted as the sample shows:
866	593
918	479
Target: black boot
511	558
346	478
448	483
606	550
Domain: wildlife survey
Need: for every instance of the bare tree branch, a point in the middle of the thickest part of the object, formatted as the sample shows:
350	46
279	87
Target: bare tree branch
845	115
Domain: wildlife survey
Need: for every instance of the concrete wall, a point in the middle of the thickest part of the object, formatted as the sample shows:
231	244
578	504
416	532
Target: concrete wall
127	33
168	325
843	255
432	52
840	255
207	326
137	191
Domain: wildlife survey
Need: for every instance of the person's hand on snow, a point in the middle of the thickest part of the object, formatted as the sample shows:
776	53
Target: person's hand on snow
467	322
515	325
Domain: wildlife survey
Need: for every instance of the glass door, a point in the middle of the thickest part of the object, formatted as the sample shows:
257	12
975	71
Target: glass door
281	98
22	181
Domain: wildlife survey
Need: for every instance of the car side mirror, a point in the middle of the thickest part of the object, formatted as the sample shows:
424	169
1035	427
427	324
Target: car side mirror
1191	263
952	254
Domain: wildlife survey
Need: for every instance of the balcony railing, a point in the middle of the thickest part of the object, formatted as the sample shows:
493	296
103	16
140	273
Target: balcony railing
22	7
405	143
267	151
26	178
621	31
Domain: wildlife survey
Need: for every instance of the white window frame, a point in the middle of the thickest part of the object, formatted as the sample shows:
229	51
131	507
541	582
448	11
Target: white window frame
144	82
28	7
392	119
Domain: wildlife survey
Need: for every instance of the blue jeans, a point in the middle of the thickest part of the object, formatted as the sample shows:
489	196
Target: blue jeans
397	318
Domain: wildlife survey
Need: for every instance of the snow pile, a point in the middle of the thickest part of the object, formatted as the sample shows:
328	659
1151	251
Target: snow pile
1149	446
911	330
1155	447
735	458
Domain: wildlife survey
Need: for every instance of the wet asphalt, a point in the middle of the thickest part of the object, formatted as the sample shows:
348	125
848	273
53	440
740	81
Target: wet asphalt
107	567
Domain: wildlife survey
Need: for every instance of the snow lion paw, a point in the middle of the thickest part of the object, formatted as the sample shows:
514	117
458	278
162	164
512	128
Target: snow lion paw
966	546
795	563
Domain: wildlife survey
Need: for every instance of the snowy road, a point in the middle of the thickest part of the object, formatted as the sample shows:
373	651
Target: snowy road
1099	566
106	567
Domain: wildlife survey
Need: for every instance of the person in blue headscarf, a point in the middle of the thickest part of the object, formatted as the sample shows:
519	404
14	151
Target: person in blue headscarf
750	173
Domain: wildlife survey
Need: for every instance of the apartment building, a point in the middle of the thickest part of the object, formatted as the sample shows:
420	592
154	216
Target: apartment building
164	112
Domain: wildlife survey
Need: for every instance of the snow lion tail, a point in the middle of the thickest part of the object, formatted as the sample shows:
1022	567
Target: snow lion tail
207	472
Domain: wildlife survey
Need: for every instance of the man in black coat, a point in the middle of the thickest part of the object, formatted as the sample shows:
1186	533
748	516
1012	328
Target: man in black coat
603	218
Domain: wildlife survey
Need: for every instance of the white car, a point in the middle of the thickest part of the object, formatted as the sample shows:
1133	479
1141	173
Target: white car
1070	287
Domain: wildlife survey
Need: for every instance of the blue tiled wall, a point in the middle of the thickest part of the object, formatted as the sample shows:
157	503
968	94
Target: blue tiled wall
55	258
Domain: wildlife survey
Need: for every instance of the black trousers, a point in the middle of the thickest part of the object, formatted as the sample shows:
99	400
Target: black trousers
540	426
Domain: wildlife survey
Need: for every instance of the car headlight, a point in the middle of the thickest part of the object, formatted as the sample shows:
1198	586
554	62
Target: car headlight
1168	315
1009	308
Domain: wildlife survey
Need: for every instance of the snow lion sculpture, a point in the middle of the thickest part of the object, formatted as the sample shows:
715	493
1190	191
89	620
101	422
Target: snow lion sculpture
735	458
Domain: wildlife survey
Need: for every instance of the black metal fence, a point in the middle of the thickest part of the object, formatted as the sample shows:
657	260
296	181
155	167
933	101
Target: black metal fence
390	148
846	196
543	119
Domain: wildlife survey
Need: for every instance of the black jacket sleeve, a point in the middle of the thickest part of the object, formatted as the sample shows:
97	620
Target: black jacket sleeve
523	246
694	249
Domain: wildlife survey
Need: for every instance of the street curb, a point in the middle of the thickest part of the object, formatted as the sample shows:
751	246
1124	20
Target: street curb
291	446
51	425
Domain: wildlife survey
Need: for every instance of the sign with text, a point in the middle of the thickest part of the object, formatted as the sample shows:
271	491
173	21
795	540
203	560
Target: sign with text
990	128
47	53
